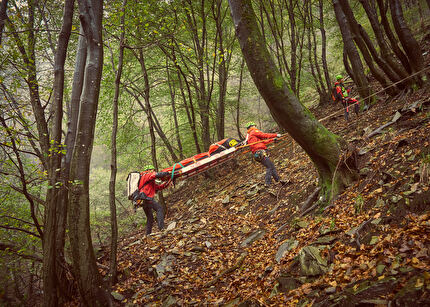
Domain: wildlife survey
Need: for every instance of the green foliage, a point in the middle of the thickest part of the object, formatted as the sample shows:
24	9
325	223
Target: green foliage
100	210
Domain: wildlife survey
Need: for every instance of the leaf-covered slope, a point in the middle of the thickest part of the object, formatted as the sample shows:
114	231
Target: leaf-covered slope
232	241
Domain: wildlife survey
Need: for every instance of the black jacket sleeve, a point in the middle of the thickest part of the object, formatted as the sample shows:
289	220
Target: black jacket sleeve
162	174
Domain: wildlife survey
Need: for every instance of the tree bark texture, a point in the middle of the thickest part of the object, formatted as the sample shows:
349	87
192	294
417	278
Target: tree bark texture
88	278
322	146
175	116
55	211
113	162
222	70
3	15
386	53
409	44
366	45
352	52
239	91
391	37
364	48
324	44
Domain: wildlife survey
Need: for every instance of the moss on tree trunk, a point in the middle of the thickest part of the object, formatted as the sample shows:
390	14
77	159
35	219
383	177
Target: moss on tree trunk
323	147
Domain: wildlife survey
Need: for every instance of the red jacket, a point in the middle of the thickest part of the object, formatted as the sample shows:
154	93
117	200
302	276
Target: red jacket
341	91
147	183
255	135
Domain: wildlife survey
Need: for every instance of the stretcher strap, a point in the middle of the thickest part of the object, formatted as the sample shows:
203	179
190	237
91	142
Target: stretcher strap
173	170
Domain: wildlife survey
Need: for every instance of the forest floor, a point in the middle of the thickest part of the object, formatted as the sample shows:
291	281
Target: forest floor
232	242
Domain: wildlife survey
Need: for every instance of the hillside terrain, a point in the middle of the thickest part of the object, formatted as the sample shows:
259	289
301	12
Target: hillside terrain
232	242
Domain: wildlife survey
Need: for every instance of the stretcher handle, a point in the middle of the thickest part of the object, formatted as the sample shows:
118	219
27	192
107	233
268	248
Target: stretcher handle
264	140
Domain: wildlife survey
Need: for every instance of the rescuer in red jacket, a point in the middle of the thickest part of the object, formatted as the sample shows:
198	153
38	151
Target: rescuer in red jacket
147	188
254	139
341	93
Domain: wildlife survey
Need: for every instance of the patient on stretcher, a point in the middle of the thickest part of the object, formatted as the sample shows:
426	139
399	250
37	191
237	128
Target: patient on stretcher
213	149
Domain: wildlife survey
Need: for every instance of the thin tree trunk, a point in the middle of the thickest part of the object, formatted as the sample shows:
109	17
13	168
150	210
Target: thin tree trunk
113	163
410	45
189	109
390	35
151	124
313	59
353	55
222	71
347	66
239	91
323	147
56	208
175	116
88	278
367	49
324	45
385	51
3	16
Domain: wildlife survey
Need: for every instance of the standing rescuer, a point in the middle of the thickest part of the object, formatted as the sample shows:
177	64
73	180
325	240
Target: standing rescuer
341	93
259	150
147	188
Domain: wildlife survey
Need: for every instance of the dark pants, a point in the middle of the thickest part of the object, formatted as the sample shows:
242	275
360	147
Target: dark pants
262	157
148	206
349	103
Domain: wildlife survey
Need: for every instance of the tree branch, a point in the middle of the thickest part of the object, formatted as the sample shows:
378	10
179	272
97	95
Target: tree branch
14	250
22	230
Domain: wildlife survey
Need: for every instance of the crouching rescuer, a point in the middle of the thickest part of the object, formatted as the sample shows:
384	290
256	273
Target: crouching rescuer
144	196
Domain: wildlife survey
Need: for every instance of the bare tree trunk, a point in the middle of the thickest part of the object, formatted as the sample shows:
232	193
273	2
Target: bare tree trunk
175	116
324	45
151	123
353	55
189	109
366	49
313	58
347	66
385	51
203	98
410	45
239	91
390	35
55	211
88	278
222	70
323	147
3	16
113	163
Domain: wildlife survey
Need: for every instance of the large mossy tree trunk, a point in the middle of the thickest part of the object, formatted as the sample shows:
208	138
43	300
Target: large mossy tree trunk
88	278
323	147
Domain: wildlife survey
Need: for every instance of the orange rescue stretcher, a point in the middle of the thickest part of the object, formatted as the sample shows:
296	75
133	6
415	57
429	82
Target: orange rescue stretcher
218	153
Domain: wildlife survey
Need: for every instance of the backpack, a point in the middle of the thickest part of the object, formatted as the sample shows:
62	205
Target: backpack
334	94
132	183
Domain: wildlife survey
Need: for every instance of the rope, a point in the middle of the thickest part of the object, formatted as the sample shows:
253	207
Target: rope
173	170
383	90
